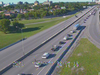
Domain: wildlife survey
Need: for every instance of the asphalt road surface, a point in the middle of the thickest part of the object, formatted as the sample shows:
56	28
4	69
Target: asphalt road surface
91	22
12	53
93	29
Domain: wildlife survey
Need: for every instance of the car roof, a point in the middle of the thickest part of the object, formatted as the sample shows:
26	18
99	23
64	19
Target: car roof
45	53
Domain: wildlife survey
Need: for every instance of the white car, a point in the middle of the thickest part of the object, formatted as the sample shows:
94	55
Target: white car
65	38
45	55
38	64
72	31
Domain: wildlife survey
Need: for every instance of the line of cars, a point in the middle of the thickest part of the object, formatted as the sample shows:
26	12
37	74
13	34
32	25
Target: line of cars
91	13
44	56
55	47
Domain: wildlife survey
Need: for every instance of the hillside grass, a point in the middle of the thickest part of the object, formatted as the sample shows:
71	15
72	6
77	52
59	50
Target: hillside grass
38	20
7	39
88	57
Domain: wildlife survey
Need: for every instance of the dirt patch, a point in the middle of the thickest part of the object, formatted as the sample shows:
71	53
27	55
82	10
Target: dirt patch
86	51
73	68
79	54
82	68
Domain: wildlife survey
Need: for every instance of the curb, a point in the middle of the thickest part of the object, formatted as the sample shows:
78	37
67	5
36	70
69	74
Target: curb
12	44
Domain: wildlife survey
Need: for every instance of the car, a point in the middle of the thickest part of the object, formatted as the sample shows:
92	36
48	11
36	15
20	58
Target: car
65	38
45	55
72	31
69	35
76	16
54	47
62	42
38	64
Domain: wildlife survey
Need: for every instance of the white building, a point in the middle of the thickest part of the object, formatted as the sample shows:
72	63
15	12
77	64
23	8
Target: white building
47	2
1	3
97	1
8	4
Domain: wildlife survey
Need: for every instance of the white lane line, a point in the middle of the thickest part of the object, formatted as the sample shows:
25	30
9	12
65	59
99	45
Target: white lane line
52	58
43	68
56	53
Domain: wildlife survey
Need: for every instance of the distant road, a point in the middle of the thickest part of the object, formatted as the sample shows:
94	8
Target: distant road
69	14
93	29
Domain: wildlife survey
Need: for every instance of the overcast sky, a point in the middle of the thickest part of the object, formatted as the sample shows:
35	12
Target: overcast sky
32	1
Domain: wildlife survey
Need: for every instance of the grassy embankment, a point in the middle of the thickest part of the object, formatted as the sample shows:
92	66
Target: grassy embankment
6	39
38	20
87	56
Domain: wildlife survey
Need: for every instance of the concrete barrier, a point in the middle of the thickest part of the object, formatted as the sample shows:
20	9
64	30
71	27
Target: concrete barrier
12	44
62	55
2	71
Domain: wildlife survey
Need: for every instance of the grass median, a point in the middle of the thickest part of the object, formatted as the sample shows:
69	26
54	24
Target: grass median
7	39
38	20
85	60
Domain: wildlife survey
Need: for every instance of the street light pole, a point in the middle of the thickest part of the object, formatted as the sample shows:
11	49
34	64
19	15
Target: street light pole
22	42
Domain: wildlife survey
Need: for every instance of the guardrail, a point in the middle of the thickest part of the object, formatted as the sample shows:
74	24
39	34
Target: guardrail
62	55
2	71
12	44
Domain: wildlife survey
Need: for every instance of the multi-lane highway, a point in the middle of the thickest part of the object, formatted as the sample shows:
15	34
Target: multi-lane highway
93	29
12	53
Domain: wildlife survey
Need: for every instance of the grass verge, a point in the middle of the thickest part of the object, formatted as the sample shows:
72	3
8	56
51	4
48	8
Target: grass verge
7	39
85	60
38	20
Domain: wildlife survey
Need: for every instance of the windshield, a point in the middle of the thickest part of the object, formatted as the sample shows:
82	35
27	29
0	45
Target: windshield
37	63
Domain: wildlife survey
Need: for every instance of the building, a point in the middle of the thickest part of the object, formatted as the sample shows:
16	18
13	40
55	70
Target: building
63	7
56	6
36	3
8	14
1	3
97	1
20	2
47	2
8	4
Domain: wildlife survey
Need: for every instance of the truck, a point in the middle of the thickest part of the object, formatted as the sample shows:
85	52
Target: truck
75	26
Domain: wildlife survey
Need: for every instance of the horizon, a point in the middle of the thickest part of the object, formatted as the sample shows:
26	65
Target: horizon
41	1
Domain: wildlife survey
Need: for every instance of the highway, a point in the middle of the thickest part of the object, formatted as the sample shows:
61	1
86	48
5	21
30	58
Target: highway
93	30
91	22
9	55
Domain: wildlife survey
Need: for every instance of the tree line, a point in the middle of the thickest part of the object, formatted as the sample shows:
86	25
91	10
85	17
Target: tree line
6	28
41	11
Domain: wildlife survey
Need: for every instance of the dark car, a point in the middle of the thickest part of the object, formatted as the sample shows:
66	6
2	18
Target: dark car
54	47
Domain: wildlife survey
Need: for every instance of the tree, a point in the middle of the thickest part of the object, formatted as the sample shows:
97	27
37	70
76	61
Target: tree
55	13
13	16
3	16
4	25
20	16
43	14
36	7
26	3
26	15
17	25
